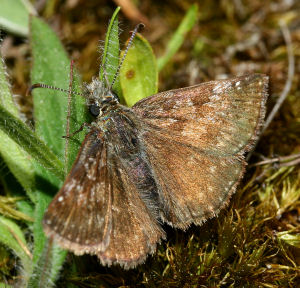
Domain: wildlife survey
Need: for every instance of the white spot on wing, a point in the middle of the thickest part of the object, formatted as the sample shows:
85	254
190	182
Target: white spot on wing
212	169
190	103
221	87
214	98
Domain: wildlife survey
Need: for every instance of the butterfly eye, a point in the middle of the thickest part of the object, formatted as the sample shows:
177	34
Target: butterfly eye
134	141
94	110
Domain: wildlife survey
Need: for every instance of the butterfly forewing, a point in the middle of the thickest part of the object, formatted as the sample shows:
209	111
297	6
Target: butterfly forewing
218	117
196	138
79	217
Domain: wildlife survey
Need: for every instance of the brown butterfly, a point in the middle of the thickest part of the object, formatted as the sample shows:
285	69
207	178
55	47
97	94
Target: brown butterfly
175	157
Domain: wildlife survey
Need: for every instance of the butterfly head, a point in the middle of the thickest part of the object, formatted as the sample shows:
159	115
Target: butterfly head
99	97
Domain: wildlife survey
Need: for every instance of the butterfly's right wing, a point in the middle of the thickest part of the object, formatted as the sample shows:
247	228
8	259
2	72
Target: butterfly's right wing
99	211
196	138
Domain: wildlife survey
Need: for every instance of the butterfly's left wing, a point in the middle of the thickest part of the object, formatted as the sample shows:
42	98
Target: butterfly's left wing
195	139
99	209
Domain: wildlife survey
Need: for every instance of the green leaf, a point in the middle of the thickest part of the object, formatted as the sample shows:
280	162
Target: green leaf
51	66
18	132
5	285
78	113
138	74
6	99
48	258
13	155
48	267
110	56
14	16
177	39
12	236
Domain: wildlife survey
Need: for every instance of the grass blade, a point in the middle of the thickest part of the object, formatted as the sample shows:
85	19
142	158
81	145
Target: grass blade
12	237
14	156
14	16
177	39
18	132
110	56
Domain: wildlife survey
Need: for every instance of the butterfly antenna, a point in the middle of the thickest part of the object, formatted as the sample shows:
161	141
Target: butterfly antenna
41	85
136	29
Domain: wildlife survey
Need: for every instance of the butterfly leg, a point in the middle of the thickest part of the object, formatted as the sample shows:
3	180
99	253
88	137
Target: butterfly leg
79	130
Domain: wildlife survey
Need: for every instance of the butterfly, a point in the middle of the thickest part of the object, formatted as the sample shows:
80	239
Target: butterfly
175	157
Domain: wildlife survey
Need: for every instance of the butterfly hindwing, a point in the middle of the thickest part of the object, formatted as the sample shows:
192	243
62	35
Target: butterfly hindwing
135	232
193	186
